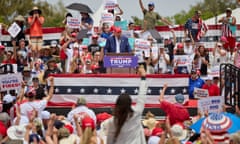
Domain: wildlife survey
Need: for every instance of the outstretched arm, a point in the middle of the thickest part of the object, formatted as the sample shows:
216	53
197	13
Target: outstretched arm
161	97
51	90
141	5
142	90
120	10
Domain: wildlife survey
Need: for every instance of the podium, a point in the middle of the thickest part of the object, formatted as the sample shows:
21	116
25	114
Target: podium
120	63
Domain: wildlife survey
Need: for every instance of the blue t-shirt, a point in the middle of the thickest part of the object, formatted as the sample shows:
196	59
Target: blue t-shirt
198	83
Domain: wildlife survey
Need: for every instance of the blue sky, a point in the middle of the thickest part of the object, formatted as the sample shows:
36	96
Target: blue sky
132	8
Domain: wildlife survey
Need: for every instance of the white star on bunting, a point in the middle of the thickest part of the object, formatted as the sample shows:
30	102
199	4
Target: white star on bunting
82	90
172	91
56	90
160	90
123	90
136	91
109	91
95	90
184	90
149	91
69	90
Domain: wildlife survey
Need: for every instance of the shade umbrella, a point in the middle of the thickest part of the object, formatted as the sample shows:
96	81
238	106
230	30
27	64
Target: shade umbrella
218	123
80	7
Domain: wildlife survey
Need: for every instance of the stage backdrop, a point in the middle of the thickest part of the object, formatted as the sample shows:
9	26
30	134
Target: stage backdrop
102	90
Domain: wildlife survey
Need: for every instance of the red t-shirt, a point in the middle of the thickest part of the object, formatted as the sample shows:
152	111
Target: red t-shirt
11	61
213	89
176	112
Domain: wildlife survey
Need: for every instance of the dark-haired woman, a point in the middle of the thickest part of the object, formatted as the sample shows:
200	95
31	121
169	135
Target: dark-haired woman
125	126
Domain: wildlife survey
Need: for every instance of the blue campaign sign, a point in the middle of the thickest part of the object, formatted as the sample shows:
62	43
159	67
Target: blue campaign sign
120	61
85	41
131	42
122	24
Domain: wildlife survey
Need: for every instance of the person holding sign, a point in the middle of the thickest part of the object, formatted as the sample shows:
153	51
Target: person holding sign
194	81
213	89
35	21
117	43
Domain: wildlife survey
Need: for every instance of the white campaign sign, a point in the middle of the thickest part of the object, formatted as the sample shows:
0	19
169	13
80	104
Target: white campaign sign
14	29
211	104
107	18
200	93
110	4
10	81
73	22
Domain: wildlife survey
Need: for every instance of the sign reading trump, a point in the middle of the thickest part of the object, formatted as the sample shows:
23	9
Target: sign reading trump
120	61
10	81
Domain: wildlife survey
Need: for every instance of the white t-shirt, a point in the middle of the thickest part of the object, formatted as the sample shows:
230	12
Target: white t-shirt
162	65
81	111
153	140
188	50
27	108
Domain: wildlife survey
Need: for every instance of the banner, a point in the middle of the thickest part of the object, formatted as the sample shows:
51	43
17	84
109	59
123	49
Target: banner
122	24
107	18
211	104
10	81
128	33
73	22
110	4
120	61
200	93
14	29
103	90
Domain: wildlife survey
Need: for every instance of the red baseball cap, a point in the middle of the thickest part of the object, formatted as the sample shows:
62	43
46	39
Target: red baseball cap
94	36
180	46
69	127
74	34
103	116
117	30
88	122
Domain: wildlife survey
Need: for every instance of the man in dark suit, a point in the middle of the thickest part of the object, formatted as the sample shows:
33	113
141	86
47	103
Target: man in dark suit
117	43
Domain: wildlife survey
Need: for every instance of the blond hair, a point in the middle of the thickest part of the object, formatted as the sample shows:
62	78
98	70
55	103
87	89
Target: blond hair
87	135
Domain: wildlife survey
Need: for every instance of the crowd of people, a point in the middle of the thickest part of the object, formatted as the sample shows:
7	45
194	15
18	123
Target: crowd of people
23	116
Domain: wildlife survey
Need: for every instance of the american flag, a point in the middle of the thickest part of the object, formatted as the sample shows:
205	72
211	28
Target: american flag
102	90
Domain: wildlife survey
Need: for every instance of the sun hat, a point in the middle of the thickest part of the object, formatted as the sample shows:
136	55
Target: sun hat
35	9
150	123
88	122
179	131
16	132
7	99
179	98
19	18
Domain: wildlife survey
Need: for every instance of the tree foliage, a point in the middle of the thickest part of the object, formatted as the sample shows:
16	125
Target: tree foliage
53	14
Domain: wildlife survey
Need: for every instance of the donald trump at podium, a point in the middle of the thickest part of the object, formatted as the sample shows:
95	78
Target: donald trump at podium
117	43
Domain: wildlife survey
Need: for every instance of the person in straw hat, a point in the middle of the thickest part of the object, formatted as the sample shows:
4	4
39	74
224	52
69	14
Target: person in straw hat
35	21
20	21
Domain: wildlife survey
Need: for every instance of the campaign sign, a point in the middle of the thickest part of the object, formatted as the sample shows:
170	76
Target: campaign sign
73	22
10	81
142	44
122	24
107	18
120	61
211	104
181	60
110	4
14	29
200	93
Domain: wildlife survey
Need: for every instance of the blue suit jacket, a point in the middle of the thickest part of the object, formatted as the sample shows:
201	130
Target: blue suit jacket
110	46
